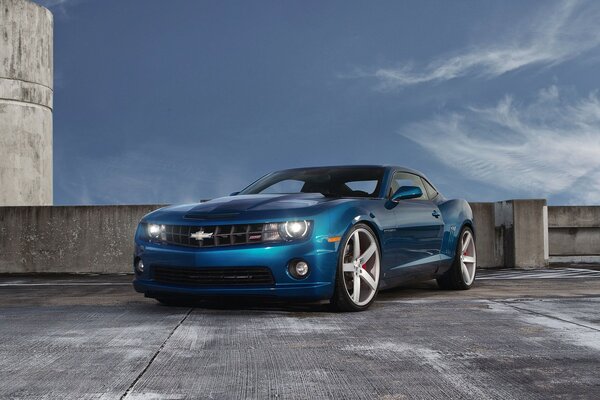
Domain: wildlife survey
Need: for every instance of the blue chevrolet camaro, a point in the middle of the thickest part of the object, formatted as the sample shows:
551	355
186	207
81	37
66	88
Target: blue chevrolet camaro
324	233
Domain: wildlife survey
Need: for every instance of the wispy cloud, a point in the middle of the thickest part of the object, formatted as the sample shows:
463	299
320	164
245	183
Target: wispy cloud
59	6
151	174
547	147
555	35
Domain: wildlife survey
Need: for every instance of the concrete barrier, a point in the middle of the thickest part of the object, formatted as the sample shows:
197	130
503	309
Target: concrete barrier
511	234
574	234
99	239
81	239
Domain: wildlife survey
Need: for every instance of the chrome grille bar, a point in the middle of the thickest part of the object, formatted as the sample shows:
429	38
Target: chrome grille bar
216	235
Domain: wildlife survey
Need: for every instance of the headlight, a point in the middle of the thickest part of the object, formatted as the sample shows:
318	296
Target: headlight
291	230
154	230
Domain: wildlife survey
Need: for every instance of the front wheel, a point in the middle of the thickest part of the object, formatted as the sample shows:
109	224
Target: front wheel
461	274
359	265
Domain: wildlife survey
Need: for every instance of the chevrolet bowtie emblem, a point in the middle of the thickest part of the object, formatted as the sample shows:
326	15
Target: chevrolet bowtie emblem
201	235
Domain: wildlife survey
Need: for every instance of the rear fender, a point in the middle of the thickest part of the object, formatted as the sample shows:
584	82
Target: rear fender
457	213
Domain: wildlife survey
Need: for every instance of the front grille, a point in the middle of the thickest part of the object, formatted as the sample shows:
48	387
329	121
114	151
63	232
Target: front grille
217	235
214	276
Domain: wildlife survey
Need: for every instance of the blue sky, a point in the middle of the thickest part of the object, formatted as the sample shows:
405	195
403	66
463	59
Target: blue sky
166	102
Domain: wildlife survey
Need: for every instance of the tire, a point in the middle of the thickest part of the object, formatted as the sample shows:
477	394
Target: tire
362	265
461	275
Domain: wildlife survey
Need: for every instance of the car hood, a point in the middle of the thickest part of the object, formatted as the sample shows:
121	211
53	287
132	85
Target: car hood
249	206
258	202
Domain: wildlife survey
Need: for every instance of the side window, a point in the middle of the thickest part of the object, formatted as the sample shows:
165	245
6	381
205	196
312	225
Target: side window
430	190
406	179
366	188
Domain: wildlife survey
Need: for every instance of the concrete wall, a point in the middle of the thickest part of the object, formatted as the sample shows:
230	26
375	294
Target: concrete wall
99	239
573	232
25	103
68	239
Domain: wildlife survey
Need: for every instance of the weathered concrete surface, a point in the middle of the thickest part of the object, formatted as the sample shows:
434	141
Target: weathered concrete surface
26	71
574	241
68	239
529	234
503	221
573	216
507	338
489	237
26	37
574	231
521	229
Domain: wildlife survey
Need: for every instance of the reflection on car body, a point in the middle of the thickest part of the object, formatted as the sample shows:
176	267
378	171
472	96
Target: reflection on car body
323	233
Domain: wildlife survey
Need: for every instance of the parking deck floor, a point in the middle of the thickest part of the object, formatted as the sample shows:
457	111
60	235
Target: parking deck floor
515	335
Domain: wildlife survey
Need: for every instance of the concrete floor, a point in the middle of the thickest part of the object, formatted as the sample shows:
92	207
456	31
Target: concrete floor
516	335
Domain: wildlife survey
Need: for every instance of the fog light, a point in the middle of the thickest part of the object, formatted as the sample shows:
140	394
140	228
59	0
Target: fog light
298	269
301	268
139	266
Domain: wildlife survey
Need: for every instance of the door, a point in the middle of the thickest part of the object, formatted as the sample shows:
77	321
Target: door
418	234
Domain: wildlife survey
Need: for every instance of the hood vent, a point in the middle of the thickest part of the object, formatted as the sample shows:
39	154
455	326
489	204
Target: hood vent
209	215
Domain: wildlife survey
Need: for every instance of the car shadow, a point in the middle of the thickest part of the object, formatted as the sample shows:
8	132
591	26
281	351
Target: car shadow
413	291
406	292
250	304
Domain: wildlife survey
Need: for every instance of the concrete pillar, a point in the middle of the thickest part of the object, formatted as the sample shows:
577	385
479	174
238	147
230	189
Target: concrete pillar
529	234
525	235
503	224
489	237
26	31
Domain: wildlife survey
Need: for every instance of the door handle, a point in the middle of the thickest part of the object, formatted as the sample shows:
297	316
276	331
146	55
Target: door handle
435	214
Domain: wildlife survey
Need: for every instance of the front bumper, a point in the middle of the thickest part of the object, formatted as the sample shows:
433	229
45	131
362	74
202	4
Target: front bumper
320	255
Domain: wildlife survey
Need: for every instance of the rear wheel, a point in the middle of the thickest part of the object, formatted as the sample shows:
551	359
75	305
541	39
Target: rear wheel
461	275
357	279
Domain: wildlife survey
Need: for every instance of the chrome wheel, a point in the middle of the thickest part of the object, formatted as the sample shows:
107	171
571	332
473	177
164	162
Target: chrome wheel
468	257
361	266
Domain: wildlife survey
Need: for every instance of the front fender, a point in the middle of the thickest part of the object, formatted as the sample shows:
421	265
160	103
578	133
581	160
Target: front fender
342	219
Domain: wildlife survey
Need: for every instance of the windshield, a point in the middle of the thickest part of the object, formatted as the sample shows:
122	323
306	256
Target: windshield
334	182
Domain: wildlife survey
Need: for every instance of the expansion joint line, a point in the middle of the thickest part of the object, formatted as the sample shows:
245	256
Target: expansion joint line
550	316
130	388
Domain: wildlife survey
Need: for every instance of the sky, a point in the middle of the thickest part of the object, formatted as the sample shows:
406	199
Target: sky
171	102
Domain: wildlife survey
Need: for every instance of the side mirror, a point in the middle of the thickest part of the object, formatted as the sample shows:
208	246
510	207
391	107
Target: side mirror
406	192
234	193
